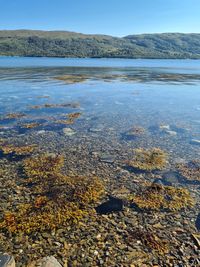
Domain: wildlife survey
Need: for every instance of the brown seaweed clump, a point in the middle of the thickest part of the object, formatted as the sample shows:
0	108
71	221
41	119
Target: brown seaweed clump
56	200
151	241
62	105
28	219
31	125
65	122
43	166
148	160
36	107
70	79
190	170
74	115
71	118
158	197
15	115
18	150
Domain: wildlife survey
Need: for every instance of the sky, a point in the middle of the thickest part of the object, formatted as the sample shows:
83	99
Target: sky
112	17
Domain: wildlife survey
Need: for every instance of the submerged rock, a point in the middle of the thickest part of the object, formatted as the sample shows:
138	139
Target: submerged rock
164	127
171	178
195	142
106	158
112	205
172	133
96	130
68	131
7	261
48	262
197	222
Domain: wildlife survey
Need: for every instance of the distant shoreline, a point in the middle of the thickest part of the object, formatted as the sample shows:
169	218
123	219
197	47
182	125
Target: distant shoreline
61	44
121	58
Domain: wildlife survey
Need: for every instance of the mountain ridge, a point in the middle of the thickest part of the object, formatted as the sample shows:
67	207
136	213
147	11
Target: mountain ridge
71	44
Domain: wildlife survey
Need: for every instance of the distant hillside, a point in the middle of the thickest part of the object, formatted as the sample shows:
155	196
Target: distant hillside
70	44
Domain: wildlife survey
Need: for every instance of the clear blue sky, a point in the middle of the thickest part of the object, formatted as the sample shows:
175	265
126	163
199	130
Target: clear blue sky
114	17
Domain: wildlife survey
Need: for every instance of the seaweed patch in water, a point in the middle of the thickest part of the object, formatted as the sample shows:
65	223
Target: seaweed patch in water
43	165
71	118
62	105
158	197
190	170
150	240
11	116
70	79
56	200
31	125
18	150
74	115
148	160
65	122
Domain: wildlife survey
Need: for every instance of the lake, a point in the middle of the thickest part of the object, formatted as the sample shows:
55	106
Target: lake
107	117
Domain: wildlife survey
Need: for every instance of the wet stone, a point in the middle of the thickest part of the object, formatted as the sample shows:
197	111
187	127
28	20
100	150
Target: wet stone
68	131
195	142
112	205
197	222
7	260
106	158
170	178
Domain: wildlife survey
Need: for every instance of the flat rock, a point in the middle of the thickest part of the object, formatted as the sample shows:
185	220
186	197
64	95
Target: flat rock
106	158
68	131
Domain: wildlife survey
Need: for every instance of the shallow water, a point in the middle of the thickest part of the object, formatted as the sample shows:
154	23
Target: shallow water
117	95
161	97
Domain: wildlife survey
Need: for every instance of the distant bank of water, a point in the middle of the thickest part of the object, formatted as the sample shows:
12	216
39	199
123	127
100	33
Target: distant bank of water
100	62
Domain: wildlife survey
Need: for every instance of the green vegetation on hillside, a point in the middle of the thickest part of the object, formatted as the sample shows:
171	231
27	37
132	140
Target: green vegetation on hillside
69	44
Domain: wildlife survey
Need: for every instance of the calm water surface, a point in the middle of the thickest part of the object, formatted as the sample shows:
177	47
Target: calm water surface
107	100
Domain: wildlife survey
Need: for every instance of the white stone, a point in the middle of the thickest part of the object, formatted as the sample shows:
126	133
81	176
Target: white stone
49	262
68	131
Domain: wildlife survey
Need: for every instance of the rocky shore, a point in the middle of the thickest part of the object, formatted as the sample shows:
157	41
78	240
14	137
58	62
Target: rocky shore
110	239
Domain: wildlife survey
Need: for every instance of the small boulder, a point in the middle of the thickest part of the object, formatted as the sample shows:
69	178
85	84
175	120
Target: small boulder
7	260
49	262
112	205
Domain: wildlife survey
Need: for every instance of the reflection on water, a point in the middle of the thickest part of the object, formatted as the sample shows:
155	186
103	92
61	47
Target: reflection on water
163	103
97	121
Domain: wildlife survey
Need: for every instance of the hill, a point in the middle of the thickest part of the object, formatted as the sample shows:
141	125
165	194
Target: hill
71	44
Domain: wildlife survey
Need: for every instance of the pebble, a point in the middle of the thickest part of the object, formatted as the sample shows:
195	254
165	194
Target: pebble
41	132
172	133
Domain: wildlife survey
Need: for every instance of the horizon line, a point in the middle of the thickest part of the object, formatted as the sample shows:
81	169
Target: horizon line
112	35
